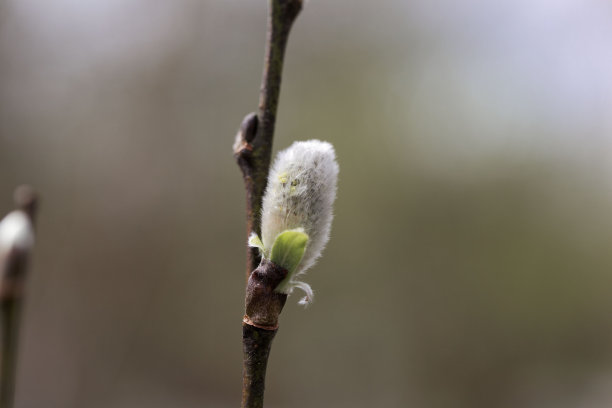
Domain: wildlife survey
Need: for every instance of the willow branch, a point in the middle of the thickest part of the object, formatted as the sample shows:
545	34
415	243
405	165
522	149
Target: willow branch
253	151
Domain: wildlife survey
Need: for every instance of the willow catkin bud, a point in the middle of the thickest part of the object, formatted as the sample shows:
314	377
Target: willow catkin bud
299	196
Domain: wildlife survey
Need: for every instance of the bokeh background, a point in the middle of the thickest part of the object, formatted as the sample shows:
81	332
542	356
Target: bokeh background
470	263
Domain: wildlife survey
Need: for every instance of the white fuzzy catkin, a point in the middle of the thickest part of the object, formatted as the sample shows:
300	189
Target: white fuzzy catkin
300	194
16	232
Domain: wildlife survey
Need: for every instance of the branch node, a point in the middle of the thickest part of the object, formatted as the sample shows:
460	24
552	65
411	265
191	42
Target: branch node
253	151
263	304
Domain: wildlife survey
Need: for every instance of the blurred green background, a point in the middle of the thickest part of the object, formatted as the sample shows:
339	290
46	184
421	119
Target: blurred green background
470	263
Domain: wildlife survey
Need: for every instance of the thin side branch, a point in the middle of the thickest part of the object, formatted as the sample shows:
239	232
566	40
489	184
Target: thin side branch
253	147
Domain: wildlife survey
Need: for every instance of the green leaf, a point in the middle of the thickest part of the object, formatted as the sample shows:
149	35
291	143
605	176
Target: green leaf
288	249
255	242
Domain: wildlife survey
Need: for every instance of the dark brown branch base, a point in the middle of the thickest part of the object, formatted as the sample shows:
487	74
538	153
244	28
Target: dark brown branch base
256	345
263	306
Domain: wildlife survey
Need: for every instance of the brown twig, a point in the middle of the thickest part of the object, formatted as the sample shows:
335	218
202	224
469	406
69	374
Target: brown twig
253	147
253	151
13	268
